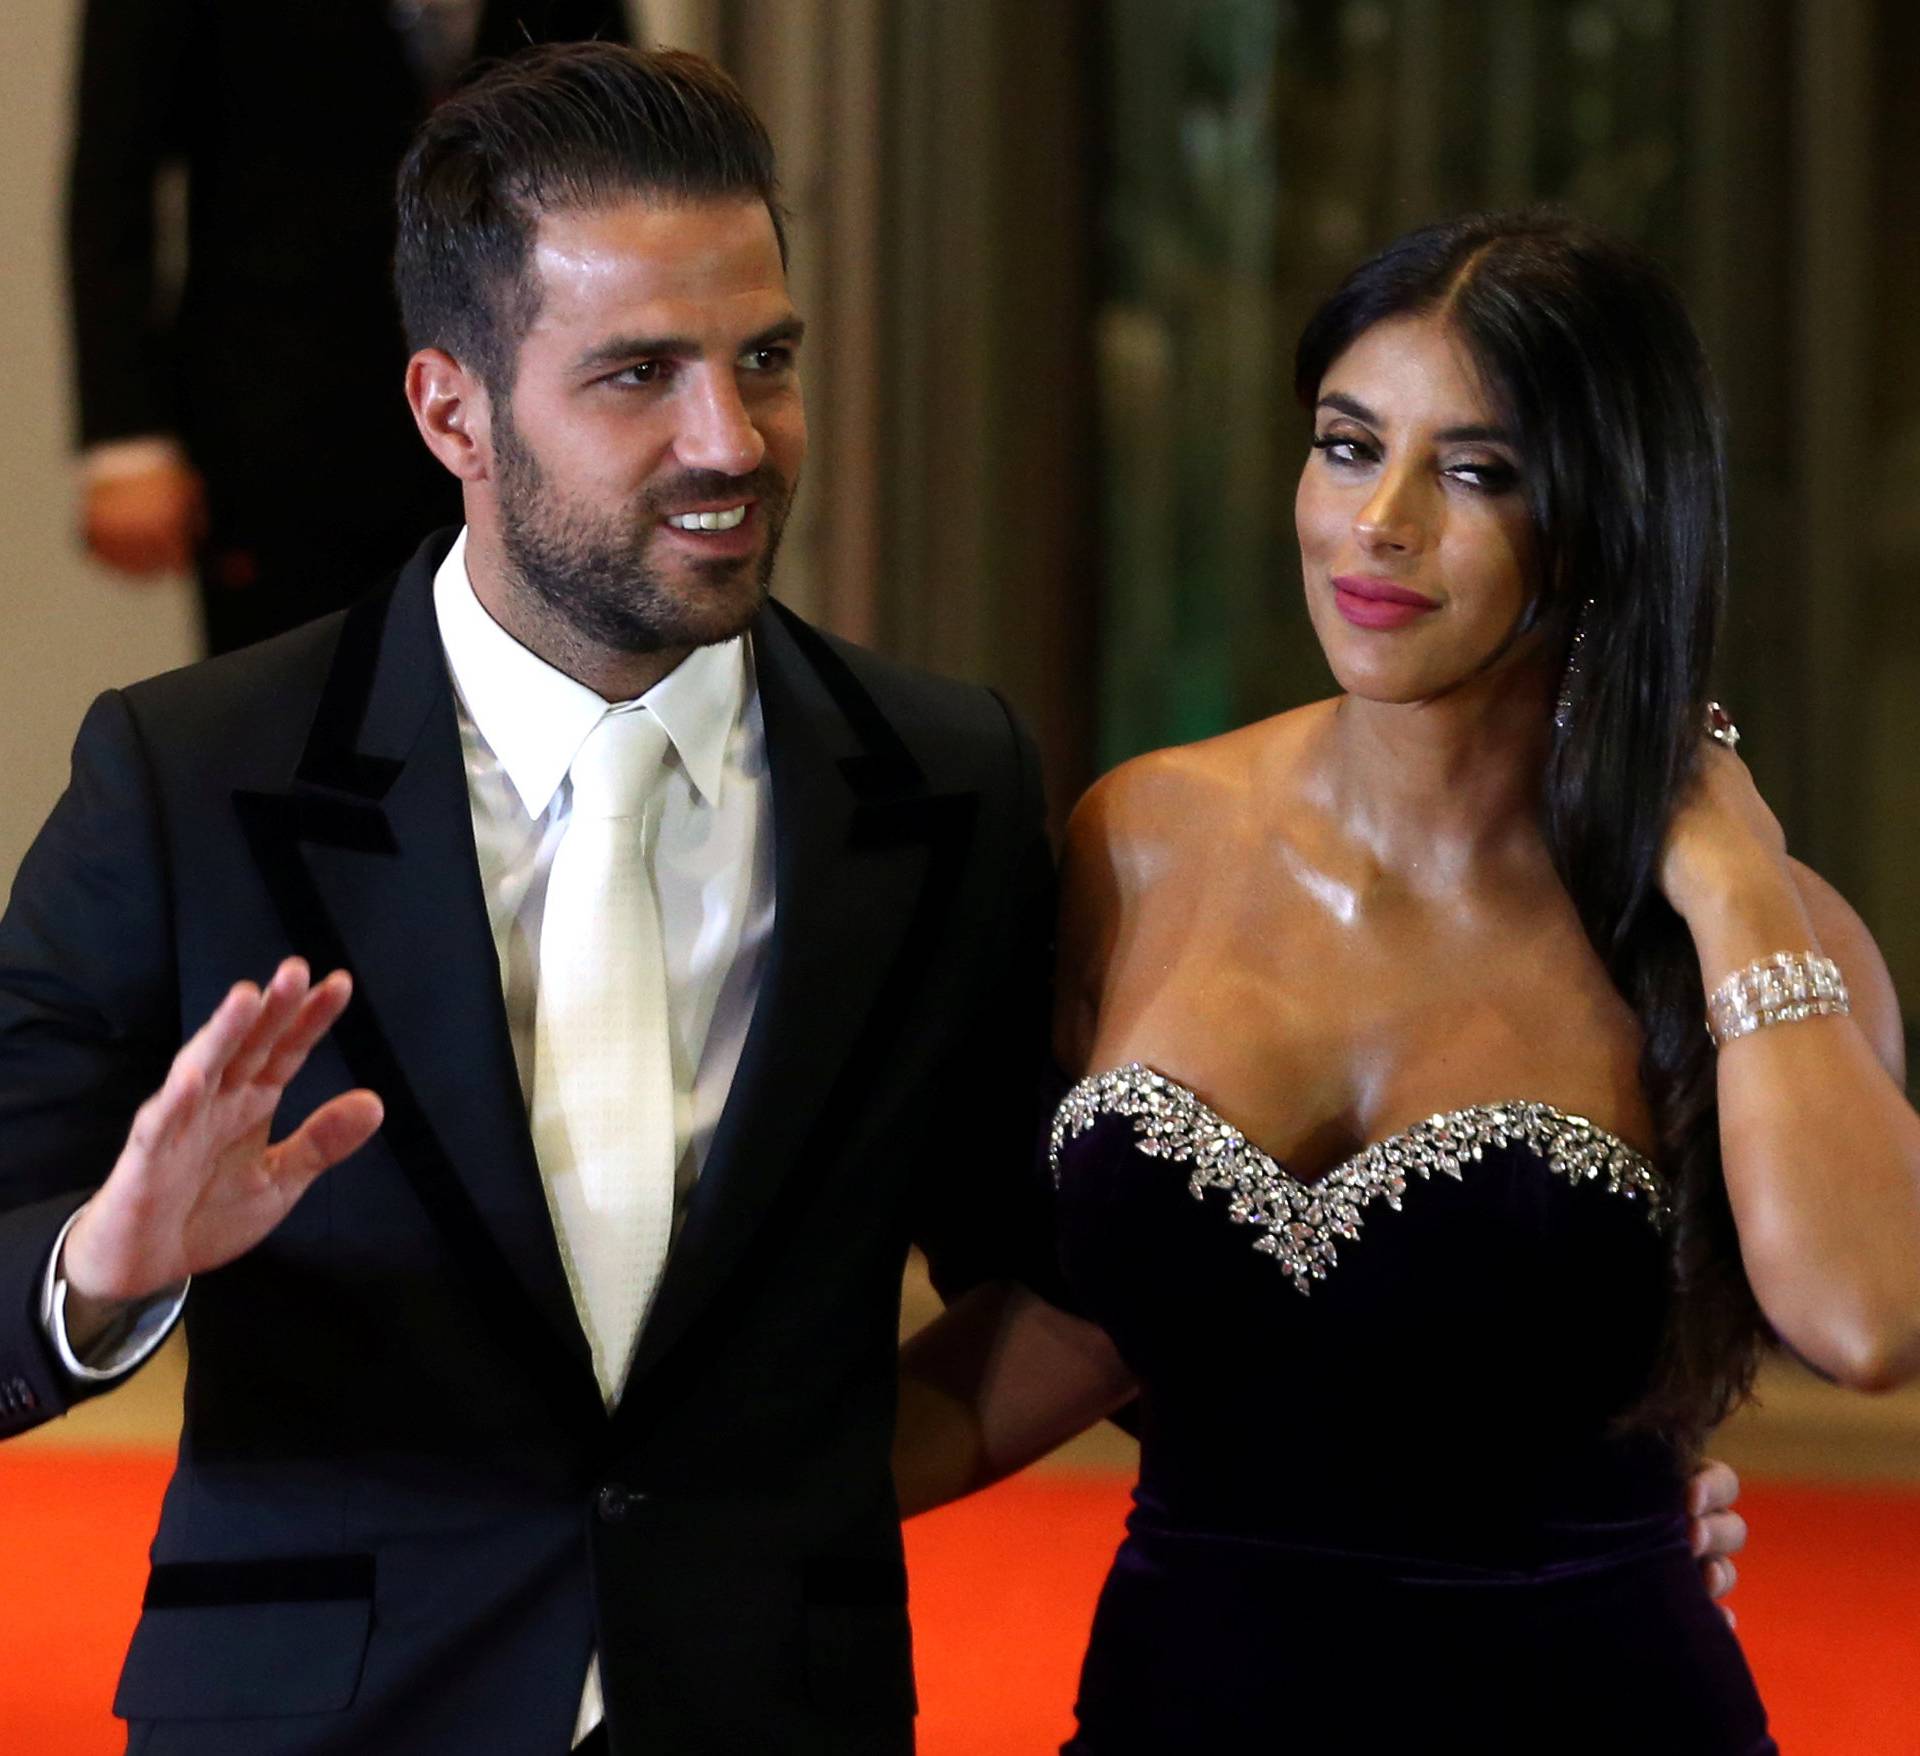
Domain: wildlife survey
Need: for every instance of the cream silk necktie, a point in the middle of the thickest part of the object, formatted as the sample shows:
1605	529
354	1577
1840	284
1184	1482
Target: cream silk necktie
603	1098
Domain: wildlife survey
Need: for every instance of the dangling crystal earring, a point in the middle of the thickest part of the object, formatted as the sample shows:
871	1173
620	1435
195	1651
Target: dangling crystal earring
1570	677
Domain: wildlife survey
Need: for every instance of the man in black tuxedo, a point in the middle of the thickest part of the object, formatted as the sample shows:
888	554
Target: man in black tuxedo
472	1461
289	120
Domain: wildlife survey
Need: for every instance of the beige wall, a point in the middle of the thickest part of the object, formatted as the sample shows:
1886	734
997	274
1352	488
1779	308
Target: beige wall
67	630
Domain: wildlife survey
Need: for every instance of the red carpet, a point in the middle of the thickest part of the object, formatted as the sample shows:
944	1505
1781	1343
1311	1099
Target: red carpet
1829	1606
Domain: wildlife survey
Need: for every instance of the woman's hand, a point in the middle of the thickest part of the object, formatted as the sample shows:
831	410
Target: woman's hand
1723	838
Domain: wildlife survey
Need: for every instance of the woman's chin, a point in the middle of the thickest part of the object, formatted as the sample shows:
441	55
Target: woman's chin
1407	679
1388	685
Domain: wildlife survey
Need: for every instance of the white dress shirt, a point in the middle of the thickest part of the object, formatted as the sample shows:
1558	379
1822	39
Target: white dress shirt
521	722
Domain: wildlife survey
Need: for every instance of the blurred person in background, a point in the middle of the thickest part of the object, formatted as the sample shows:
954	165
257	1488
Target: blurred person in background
245	426
1401	1176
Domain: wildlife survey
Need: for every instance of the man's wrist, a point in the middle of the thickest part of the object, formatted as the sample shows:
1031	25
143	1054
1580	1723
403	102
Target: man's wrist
92	1323
101	1339
74	1268
85	1318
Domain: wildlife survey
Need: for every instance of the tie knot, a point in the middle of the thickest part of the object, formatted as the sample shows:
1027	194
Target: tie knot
613	772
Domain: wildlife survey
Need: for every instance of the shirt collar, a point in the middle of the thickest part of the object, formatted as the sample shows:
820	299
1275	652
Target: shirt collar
534	718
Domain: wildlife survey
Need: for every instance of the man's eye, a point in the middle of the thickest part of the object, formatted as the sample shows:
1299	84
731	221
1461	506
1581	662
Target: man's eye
771	359
640	372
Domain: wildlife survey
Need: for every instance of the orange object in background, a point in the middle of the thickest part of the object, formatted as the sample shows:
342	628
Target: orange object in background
81	1521
1003	1589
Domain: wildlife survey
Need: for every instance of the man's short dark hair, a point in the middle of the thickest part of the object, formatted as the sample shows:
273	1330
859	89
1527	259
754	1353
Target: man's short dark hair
556	128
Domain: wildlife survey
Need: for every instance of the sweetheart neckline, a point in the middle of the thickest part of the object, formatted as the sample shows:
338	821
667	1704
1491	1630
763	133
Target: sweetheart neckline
1371	1149
1301	1224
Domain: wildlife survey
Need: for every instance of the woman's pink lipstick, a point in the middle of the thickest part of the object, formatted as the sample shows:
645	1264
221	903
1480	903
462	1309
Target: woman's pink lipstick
1378	603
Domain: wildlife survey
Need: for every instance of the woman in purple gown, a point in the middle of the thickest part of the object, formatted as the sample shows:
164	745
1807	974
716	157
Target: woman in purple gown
1466	1084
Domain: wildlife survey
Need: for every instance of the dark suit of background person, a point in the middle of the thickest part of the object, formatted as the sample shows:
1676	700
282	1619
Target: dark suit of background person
399	1501
279	370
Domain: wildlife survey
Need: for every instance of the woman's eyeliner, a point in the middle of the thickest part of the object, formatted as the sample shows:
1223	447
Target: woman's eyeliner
1489	476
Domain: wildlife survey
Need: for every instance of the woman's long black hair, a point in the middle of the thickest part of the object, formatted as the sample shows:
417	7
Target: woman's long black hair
1588	350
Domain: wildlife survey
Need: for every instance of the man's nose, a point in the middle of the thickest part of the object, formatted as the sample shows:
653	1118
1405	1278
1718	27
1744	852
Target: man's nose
716	430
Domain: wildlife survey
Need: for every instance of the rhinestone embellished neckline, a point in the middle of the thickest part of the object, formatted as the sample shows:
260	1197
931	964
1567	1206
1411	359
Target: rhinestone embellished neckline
1300	1224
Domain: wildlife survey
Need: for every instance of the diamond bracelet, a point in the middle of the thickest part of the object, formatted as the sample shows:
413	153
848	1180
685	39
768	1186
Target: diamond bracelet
1781	989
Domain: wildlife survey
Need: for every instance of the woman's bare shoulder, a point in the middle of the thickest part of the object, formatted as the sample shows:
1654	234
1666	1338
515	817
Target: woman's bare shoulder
1187	795
1143	846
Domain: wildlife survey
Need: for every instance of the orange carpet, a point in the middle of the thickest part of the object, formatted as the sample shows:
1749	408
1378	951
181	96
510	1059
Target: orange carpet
1829	1607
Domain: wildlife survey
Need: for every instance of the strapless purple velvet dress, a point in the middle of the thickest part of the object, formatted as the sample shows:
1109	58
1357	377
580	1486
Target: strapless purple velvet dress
1385	1501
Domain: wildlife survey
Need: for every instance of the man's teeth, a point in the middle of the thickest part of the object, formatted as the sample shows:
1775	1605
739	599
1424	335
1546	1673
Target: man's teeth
709	520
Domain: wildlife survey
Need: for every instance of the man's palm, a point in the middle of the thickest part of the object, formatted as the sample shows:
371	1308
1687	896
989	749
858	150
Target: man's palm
198	1182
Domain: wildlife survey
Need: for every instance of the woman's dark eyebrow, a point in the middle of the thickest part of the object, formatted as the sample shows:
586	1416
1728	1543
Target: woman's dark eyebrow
1346	405
1472	435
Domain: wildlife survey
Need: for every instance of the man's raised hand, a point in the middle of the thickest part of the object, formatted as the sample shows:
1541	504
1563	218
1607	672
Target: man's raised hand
198	1183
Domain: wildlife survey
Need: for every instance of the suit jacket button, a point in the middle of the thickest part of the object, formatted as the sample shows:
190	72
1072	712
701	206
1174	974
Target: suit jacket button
614	1502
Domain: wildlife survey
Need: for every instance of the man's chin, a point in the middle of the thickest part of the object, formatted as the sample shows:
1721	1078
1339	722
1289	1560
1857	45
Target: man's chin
716	602
719	581
723	624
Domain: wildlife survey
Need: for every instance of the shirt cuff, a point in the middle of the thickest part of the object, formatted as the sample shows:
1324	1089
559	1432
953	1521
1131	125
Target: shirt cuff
114	460
593	1707
126	1342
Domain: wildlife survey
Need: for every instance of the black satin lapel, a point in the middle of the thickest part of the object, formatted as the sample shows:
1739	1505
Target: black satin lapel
371	859
864	858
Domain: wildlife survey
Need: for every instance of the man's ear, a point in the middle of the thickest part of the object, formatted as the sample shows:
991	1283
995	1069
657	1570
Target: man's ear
453	412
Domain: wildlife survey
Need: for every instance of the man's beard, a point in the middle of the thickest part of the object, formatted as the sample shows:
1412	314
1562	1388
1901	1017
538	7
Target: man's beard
591	569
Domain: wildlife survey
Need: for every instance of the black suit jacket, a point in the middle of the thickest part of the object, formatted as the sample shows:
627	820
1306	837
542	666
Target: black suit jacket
401	1519
281	367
